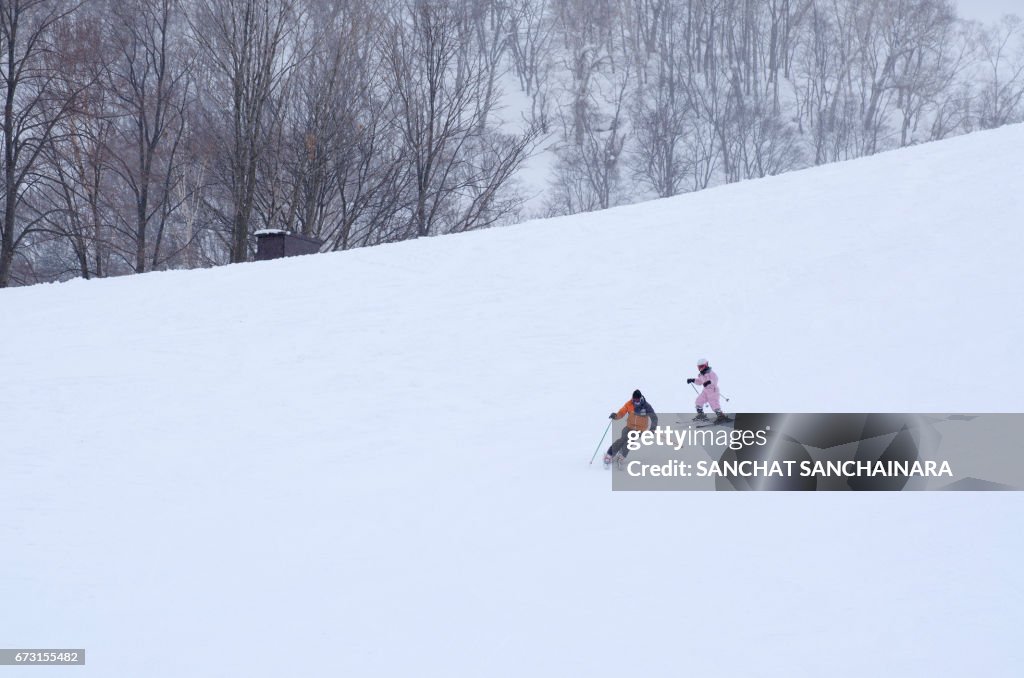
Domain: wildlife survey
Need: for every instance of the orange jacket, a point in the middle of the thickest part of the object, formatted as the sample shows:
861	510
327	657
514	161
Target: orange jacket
638	416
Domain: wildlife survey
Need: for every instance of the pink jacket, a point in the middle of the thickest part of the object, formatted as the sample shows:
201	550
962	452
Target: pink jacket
708	376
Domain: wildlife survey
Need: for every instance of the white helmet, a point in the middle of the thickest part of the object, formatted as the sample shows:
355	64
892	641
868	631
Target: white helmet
702	362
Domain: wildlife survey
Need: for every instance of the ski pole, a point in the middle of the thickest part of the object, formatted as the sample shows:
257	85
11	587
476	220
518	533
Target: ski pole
600	442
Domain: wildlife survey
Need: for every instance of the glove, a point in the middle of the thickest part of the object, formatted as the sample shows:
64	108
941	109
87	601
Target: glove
690	381
611	416
707	383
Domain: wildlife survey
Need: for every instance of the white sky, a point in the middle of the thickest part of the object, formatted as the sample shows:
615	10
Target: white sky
989	10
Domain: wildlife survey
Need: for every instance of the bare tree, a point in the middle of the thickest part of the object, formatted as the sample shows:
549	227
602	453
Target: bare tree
927	79
659	111
589	175
74	193
151	80
437	81
1002	94
249	47
530	45
824	80
33	107
767	144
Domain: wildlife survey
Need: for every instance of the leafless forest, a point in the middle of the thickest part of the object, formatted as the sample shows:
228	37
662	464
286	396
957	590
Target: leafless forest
145	135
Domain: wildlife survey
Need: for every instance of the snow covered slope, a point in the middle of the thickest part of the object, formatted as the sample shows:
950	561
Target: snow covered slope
374	463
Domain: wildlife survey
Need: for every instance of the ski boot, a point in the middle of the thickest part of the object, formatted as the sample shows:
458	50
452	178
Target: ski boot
700	416
607	461
720	417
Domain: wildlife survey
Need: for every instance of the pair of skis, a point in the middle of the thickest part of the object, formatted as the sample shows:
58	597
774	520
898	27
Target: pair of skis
705	422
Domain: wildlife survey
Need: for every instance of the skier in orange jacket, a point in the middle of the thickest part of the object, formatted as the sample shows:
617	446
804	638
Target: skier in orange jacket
639	416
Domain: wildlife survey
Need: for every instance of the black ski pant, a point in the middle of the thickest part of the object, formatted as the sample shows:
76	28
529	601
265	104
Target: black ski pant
620	444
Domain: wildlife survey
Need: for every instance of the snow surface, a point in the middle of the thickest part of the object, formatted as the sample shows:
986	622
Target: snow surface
374	463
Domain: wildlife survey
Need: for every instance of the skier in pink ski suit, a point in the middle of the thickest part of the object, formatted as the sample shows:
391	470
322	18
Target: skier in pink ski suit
710	395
